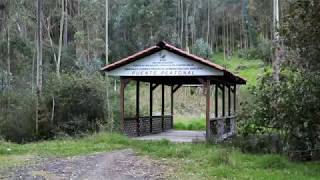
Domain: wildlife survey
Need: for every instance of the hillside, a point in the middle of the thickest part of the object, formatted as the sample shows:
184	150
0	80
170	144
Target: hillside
248	69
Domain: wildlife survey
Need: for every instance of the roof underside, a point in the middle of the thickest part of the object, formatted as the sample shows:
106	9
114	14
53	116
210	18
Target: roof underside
227	77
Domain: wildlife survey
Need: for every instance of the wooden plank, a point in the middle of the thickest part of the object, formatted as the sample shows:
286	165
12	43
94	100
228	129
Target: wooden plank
216	100
162	107
208	132
137	107
151	108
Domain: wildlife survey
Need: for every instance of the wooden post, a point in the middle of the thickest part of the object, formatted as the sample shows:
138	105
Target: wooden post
235	99
151	108
229	100
122	86
208	132
223	101
172	107
162	108
216	100
137	107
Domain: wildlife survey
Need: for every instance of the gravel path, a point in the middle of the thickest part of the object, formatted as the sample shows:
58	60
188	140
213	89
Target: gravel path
117	165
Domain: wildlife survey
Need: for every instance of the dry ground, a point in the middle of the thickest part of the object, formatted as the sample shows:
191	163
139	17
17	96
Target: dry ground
116	165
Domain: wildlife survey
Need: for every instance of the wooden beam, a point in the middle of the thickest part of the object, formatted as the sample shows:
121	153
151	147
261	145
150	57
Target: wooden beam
154	87
176	88
162	107
122	88
208	132
202	81
220	81
137	107
151	108
216	100
125	81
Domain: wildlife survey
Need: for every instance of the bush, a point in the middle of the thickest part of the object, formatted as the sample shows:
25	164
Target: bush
289	107
76	103
17	114
202	49
262	51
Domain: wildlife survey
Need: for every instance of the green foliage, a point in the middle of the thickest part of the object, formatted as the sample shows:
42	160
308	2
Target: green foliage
202	49
16	115
263	51
187	123
76	102
301	31
289	107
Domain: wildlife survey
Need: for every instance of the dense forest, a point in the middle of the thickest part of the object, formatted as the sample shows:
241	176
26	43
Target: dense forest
52	52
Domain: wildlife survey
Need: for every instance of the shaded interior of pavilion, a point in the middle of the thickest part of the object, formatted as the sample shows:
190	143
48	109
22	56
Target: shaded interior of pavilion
221	103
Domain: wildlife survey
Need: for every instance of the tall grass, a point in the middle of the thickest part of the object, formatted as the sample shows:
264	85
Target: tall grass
189	123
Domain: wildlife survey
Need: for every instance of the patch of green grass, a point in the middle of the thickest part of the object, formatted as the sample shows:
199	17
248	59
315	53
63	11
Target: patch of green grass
189	123
193	161
248	69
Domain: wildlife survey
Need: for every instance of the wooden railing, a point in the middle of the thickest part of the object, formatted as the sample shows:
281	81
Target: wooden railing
147	125
222	127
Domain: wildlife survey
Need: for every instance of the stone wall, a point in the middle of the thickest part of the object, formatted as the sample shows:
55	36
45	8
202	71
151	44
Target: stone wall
130	125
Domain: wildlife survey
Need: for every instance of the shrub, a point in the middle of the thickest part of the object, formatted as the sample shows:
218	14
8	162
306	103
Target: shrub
202	49
289	107
76	103
17	114
262	51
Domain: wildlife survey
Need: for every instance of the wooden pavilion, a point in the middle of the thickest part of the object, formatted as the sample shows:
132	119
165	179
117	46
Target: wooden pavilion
165	65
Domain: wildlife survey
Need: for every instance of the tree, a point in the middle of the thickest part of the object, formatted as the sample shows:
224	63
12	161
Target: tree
39	60
278	49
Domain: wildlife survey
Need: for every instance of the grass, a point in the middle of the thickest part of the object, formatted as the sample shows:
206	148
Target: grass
248	69
193	161
189	123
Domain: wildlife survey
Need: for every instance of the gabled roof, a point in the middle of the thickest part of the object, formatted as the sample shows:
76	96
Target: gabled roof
165	46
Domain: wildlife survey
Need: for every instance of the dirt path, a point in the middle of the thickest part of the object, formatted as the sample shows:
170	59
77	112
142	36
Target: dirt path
117	165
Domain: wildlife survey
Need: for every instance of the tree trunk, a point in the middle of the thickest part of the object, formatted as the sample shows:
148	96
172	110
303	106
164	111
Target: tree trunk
39	61
65	33
8	53
208	22
277	56
60	39
186	27
110	113
182	23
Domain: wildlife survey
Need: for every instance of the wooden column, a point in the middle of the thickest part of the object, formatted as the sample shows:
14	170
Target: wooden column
234	99
223	101
216	100
229	100
122	86
172	107
162	107
151	108
208	132
137	107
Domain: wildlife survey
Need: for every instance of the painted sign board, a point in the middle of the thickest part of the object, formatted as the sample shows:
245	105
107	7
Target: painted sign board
165	63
